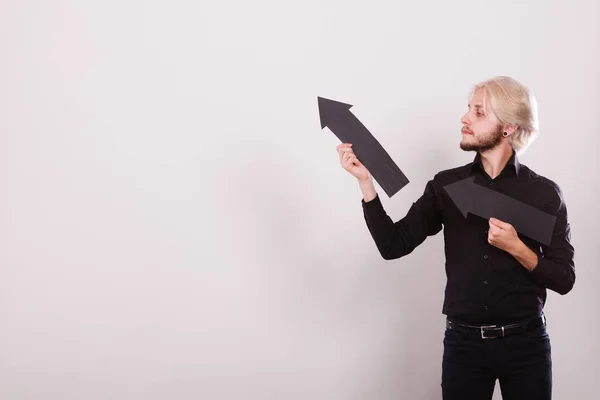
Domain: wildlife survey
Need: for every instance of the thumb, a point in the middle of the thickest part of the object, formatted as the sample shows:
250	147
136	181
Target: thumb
500	224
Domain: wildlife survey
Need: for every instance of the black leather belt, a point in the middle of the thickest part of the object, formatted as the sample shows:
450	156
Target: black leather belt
496	331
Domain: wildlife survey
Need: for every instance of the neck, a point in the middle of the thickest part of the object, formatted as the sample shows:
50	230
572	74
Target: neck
495	160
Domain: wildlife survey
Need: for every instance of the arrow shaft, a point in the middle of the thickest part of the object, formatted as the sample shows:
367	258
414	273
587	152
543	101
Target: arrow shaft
526	219
348	128
369	151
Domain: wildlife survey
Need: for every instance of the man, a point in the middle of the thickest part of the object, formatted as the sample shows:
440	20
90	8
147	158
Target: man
496	278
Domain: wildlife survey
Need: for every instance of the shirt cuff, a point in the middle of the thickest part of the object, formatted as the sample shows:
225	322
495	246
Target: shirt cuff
546	268
375	203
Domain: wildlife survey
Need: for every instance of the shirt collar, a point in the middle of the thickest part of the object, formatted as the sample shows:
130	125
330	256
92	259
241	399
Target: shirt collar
513	162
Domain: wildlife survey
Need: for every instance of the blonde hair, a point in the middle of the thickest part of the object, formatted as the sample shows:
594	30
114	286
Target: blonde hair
513	104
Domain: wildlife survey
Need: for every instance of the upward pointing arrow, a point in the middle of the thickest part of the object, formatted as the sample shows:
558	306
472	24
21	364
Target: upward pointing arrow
340	120
472	198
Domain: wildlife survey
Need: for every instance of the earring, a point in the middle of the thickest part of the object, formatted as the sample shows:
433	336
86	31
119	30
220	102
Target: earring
505	134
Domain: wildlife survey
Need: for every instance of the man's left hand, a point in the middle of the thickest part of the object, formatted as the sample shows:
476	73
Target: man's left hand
503	236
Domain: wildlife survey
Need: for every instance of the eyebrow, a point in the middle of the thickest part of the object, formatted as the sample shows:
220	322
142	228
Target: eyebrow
478	107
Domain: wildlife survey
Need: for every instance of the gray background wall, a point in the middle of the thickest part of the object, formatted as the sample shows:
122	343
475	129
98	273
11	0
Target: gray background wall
174	224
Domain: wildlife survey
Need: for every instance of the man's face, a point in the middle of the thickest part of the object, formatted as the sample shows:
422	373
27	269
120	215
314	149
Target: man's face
481	129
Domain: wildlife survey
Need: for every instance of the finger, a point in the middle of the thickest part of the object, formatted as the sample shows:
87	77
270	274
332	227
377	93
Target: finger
346	152
351	159
494	231
344	146
502	225
497	222
505	225
342	150
350	162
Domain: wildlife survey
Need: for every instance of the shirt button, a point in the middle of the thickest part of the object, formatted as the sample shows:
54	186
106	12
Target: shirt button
485	257
486	307
485	282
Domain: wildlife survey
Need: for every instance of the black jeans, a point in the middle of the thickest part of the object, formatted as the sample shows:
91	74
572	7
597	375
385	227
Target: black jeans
522	363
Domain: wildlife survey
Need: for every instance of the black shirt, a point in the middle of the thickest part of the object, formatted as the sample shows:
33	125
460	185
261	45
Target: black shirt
484	284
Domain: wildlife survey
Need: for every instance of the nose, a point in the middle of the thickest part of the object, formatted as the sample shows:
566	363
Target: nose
465	120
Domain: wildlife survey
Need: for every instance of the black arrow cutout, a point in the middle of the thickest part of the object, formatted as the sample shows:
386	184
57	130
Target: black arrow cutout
340	120
472	198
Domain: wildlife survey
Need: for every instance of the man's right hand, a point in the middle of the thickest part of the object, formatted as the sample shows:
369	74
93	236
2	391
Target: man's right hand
350	163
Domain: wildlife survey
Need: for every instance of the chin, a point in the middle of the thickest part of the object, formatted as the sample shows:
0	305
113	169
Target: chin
467	146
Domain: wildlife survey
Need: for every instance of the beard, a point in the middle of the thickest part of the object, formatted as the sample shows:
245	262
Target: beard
484	143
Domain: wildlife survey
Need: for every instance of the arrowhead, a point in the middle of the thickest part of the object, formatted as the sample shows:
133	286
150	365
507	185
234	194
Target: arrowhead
462	194
330	110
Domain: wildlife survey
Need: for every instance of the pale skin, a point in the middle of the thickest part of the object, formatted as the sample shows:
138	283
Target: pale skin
479	124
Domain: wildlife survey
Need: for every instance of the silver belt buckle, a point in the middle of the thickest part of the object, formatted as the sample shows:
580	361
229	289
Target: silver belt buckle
488	326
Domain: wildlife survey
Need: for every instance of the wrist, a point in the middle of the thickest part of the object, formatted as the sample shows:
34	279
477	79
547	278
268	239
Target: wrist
364	182
526	257
518	248
367	188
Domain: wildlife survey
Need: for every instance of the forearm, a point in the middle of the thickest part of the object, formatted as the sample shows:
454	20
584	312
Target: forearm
557	276
381	226
525	256
397	239
368	189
